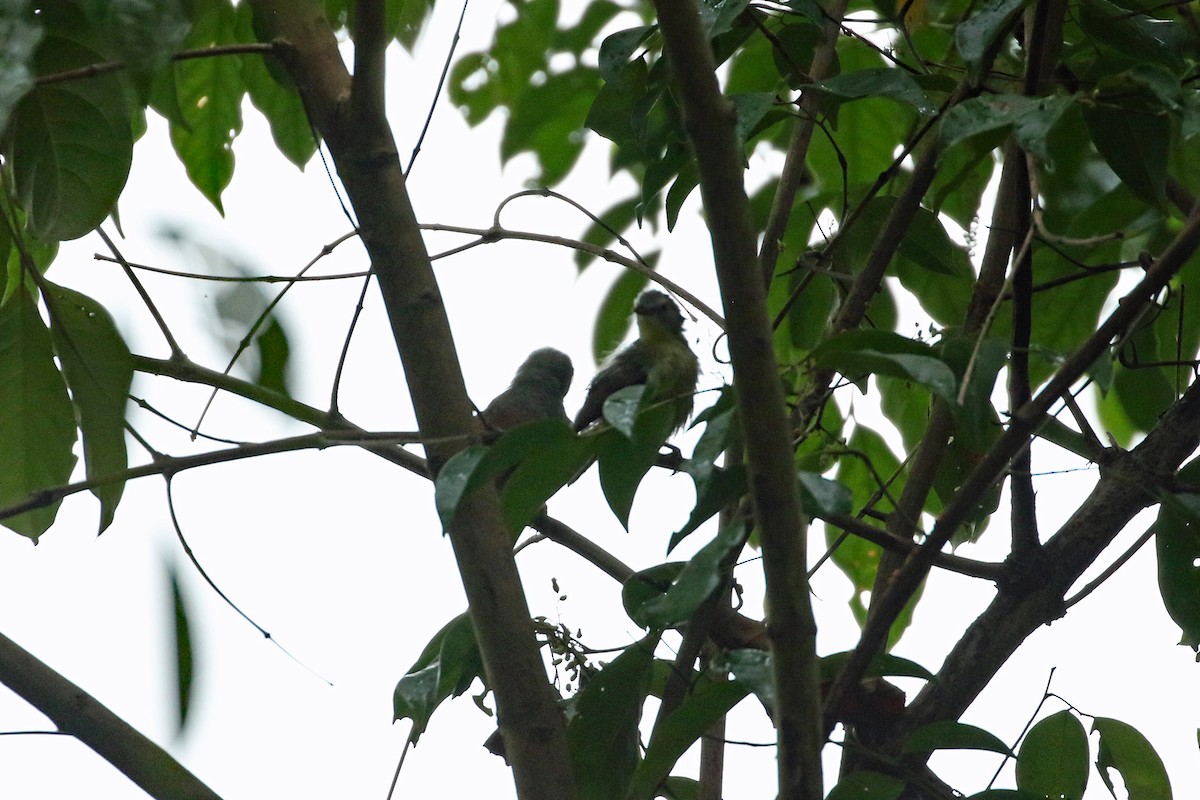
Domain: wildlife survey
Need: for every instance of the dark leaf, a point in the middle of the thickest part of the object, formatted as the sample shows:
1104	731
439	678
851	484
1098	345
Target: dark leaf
866	785
953	735
1053	761
603	734
696	582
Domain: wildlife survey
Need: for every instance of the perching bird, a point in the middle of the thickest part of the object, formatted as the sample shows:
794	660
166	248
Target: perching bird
536	392
660	358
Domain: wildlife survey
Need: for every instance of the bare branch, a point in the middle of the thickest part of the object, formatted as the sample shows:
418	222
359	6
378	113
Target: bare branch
77	713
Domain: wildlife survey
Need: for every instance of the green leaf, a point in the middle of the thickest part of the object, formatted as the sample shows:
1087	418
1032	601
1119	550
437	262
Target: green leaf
99	371
708	702
210	92
752	669
613	320
1136	145
534	461
1005	794
406	19
72	145
882	665
856	352
626	452
20	34
823	497
974	37
1053	761
866	785
530	462
548	119
696	582
446	667
273	354
145	33
894	84
1177	542
618	48
953	735
458	476
644	586
279	103
1028	118
184	662
1134	36
1127	751
603	735
37	423
717	491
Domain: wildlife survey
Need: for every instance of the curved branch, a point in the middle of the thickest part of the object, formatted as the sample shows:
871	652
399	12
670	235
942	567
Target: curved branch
78	714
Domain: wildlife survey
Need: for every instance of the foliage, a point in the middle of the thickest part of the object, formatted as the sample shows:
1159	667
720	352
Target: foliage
1082	117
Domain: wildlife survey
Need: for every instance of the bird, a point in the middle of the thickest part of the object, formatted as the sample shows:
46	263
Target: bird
536	392
659	358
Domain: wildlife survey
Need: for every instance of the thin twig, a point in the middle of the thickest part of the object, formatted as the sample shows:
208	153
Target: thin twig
176	351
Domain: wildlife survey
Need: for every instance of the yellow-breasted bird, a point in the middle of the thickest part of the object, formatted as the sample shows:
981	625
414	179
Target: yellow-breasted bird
660	358
536	392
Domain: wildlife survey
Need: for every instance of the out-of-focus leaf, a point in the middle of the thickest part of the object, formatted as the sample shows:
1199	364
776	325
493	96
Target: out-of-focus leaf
99	370
548	119
71	145
603	735
144	33
37	423
20	34
953	735
446	667
1053	760
184	651
698	579
273	354
1124	749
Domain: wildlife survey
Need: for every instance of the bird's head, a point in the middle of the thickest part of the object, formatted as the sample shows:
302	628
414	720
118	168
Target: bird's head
547	367
653	305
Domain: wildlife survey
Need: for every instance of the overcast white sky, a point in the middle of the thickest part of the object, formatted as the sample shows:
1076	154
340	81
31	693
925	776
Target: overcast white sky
340	556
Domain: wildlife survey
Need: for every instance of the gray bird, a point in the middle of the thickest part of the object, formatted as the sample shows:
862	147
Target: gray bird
660	358
536	392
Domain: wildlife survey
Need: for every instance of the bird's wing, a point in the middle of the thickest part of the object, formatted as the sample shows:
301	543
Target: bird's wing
627	368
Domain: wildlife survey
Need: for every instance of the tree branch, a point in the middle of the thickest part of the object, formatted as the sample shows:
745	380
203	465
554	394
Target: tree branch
710	122
78	714
363	150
